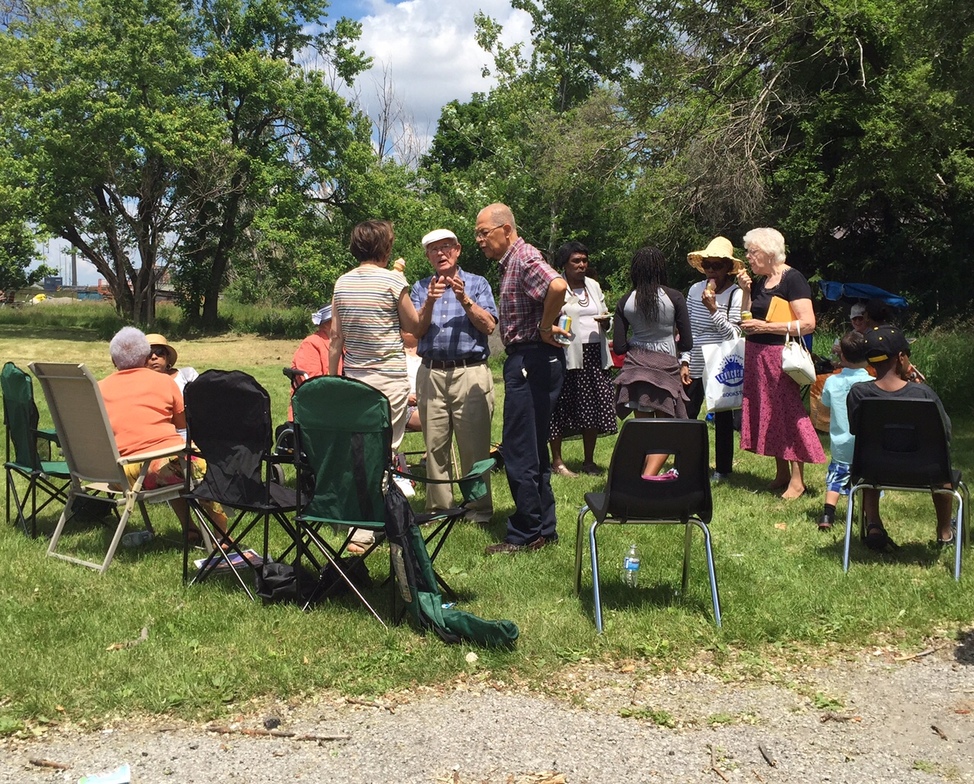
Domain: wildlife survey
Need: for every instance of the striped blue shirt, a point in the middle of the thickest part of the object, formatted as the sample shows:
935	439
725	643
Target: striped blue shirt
452	336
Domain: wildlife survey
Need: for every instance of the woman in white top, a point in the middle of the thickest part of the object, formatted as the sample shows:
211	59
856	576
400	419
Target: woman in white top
585	406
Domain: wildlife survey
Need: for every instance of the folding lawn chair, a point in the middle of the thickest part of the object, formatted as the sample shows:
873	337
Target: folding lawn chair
343	430
631	500
88	443
50	477
228	416
902	445
343	439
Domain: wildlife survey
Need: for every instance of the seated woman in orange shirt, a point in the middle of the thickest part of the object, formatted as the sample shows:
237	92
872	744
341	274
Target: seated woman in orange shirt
145	409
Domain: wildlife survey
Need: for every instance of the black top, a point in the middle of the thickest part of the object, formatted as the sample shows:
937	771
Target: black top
792	286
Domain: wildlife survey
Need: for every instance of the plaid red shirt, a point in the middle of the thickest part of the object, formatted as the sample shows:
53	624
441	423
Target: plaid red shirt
525	277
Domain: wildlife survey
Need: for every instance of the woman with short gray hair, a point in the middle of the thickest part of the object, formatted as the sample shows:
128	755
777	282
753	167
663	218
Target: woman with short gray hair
129	348
773	418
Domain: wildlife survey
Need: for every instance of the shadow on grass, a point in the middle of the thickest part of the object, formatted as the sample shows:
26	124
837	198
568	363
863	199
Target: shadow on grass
965	647
616	596
916	553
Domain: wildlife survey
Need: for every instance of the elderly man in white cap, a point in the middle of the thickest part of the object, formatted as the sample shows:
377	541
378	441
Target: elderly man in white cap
454	385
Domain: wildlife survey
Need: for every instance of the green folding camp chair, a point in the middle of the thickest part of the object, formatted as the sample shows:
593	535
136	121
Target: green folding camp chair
343	439
343	435
49	477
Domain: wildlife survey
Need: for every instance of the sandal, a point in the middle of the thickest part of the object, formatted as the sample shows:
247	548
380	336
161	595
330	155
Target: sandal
562	470
591	469
877	539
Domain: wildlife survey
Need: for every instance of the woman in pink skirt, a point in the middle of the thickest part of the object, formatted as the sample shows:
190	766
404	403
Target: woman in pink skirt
773	418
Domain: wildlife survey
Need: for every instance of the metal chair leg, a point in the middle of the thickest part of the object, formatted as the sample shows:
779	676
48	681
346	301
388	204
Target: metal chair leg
596	590
579	537
711	572
848	526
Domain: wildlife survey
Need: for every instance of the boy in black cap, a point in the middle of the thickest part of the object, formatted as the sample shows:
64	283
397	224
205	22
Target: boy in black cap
889	353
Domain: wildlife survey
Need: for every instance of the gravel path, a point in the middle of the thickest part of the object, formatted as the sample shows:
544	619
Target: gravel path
870	717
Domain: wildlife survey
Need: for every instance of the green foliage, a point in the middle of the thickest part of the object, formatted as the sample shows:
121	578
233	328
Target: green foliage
848	126
183	135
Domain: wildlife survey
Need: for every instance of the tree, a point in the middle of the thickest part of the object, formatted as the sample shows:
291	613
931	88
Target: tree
154	132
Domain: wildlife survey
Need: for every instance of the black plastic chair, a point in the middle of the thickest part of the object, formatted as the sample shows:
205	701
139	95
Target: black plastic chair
902	445
228	416
49	477
631	500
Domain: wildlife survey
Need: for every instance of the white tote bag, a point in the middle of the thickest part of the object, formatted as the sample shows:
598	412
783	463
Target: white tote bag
724	374
796	362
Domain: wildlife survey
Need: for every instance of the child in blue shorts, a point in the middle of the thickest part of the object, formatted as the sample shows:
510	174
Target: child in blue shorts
852	358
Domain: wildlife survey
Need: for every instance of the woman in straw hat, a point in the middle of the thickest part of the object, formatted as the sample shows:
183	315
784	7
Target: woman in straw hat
773	418
714	305
162	359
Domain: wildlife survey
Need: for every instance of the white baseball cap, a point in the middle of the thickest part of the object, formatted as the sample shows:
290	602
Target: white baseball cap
321	316
436	235
858	309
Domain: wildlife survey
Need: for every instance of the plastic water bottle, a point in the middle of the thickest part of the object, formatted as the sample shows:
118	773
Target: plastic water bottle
136	538
630	567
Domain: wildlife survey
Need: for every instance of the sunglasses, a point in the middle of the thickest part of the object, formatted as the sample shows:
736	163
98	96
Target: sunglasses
159	352
713	265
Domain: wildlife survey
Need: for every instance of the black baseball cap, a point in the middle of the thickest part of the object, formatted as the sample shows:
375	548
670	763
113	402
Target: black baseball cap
885	342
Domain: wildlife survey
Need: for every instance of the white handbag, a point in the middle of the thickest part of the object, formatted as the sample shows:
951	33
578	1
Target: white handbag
796	361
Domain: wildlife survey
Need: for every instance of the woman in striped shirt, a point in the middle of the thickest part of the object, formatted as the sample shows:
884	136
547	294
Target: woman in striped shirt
715	316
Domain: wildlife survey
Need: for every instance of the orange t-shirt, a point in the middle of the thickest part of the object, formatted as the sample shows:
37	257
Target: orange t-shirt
141	404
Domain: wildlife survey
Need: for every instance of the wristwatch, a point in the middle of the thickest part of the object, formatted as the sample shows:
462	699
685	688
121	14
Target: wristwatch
544	329
466	302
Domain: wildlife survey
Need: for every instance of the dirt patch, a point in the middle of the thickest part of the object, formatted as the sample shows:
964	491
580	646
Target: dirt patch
876	715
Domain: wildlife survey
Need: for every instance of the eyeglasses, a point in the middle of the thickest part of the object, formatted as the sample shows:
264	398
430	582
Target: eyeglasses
444	249
709	264
482	234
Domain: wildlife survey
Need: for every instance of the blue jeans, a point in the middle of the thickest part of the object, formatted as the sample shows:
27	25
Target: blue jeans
533	375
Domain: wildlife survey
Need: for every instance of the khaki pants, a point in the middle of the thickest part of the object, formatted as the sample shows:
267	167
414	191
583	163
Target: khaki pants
457	403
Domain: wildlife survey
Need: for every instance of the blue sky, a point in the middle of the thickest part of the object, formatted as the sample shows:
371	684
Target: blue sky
428	51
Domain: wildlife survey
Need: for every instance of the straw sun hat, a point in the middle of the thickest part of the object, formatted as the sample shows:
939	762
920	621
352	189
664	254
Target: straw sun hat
158	340
719	248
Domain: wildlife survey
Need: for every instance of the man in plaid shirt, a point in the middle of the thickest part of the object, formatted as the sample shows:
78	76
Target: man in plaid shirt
531	297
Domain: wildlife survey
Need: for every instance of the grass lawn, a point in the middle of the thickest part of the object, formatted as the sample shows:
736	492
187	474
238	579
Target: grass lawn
210	650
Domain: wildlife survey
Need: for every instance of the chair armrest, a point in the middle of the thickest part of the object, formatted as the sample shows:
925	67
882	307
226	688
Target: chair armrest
155	454
48	434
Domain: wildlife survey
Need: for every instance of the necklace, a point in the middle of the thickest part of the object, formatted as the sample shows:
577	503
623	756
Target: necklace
583	297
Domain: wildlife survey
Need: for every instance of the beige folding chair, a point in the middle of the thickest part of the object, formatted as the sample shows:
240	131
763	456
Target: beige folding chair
89	448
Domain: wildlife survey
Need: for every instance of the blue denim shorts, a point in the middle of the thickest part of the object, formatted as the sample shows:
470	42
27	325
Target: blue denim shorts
837	478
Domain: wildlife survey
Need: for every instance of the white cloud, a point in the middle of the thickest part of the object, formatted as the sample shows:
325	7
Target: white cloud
429	51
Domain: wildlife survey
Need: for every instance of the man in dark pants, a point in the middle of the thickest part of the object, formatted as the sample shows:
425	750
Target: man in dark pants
531	297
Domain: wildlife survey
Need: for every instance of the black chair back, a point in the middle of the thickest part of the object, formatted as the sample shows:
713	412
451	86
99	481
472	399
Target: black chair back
630	497
901	443
228	414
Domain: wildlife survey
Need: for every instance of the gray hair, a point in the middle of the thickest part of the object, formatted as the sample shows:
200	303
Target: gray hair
129	348
769	240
